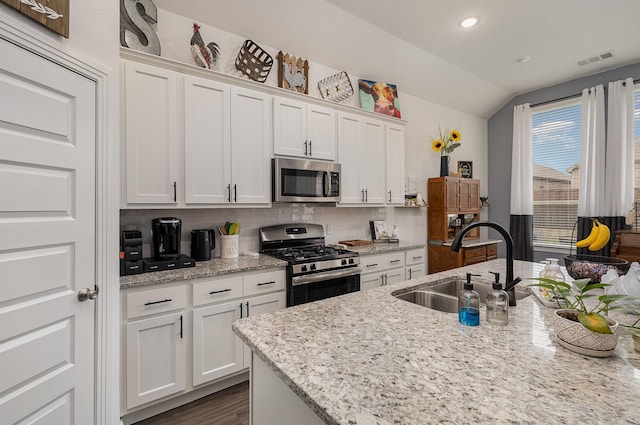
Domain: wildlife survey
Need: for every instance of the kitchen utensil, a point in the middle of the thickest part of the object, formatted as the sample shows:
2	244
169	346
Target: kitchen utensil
202	242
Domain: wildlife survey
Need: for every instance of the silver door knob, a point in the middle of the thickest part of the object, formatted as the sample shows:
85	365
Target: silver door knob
88	294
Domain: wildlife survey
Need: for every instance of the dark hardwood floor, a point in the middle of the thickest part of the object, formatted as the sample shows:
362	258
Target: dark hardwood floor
226	407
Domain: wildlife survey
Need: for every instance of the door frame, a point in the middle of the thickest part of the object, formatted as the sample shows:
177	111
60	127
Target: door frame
106	372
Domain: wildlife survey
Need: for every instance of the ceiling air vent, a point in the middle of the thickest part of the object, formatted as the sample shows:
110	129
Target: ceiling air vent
594	59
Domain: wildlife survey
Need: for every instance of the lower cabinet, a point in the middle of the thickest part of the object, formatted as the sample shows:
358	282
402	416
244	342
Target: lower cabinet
441	257
382	269
217	351
162	325
155	358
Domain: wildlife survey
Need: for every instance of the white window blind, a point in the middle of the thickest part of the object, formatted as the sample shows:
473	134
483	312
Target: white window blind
556	159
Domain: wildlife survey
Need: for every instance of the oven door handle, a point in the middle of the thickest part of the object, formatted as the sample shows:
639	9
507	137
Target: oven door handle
319	277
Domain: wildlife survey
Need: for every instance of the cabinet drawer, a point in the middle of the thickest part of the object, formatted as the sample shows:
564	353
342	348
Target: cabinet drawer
474	260
259	283
492	250
211	291
373	263
480	251
414	256
153	301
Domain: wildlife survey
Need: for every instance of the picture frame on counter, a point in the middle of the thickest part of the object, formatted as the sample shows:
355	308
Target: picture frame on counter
465	169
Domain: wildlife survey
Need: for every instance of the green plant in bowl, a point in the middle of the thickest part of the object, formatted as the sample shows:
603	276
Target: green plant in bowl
592	308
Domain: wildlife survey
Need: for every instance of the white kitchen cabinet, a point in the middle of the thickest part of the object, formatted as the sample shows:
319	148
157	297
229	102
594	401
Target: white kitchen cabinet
303	130
227	144
151	138
155	341
382	269
251	120
415	260
217	351
395	164
361	153
207	141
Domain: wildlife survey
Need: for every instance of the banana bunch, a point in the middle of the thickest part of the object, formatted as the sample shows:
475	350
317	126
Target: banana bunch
597	239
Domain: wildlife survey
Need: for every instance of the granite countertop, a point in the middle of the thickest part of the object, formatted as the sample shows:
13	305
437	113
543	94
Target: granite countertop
214	267
384	247
218	266
369	358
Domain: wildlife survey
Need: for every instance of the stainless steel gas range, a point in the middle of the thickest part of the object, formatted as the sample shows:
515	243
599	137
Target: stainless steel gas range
315	270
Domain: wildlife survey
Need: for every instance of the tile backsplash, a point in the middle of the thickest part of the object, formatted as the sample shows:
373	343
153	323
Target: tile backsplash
343	223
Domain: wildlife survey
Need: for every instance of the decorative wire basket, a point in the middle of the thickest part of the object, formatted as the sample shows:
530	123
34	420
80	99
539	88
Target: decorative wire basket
254	62
336	87
582	266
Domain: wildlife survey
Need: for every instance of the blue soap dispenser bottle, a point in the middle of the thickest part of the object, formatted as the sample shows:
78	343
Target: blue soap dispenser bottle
469	304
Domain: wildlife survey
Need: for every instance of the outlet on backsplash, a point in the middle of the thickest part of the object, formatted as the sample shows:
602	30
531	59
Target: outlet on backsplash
327	229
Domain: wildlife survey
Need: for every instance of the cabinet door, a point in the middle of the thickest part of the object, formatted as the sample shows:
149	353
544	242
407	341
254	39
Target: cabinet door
395	164
259	305
290	128
452	194
217	351
415	271
349	135
150	134
372	161
321	132
370	281
469	195
250	147
155	364
207	141
394	276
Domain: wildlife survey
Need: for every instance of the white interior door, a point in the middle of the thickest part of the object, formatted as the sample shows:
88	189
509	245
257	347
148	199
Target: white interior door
47	243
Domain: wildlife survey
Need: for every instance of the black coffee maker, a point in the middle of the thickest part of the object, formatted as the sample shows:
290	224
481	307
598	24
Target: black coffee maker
202	242
165	236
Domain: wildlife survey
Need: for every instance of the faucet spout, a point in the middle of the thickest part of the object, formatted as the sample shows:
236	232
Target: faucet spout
510	284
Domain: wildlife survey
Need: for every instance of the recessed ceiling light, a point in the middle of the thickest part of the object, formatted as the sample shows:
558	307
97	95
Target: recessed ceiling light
468	22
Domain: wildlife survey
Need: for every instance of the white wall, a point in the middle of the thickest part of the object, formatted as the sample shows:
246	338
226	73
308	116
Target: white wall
422	116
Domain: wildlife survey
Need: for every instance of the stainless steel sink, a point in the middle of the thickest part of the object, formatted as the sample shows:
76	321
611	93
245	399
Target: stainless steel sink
433	300
443	296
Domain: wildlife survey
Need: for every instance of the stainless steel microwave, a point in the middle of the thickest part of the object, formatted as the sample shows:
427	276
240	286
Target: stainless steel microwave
302	180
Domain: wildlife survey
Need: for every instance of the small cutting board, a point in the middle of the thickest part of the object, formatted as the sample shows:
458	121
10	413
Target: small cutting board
356	243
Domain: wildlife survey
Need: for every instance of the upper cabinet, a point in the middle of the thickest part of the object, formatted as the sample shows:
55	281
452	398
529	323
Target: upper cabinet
150	118
453	203
227	139
361	142
303	130
395	164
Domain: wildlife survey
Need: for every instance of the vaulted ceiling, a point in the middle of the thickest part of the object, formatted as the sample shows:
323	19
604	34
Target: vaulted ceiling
517	45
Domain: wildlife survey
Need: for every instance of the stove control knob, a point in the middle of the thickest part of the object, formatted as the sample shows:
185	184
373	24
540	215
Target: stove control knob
344	262
312	267
351	261
303	268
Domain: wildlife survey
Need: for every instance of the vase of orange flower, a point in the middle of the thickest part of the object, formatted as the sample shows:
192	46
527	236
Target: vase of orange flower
445	142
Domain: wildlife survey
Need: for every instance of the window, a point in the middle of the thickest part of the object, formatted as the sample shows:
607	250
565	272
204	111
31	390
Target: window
556	159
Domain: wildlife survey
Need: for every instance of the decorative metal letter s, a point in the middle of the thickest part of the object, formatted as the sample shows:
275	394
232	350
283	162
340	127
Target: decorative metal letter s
135	31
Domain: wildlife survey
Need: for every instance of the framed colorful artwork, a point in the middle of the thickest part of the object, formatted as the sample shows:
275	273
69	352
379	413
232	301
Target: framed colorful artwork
465	169
53	14
379	97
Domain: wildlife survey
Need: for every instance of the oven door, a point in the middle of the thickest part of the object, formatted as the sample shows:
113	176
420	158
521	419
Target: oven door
318	286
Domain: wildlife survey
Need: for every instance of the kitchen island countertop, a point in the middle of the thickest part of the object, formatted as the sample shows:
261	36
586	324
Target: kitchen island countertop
370	358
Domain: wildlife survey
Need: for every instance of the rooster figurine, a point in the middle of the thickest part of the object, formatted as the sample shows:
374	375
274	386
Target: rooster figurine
204	56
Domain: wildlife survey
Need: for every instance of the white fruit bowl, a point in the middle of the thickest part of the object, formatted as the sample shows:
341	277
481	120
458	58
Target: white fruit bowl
582	266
